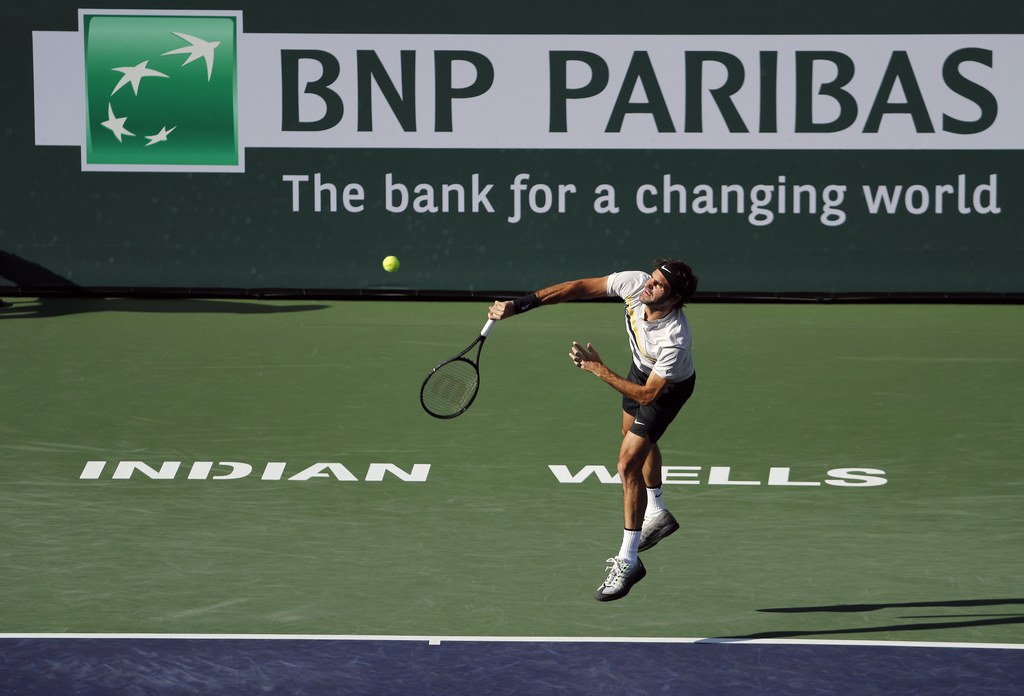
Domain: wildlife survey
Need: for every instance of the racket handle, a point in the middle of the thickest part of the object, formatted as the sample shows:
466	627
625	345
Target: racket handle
487	328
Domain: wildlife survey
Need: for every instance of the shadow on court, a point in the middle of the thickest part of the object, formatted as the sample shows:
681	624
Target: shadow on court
980	619
55	307
876	607
28	274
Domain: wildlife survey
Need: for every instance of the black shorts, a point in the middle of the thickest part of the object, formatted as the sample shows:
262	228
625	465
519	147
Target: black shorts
652	420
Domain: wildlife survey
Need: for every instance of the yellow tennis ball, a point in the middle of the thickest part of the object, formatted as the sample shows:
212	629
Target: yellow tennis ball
391	264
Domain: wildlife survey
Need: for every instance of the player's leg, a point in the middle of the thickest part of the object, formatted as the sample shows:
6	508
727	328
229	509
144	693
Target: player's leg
656	417
658	522
632	456
652	468
626	569
627	421
637	459
652	465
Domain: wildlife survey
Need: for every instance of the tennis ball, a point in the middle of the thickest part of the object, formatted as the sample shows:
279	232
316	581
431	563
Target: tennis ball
391	264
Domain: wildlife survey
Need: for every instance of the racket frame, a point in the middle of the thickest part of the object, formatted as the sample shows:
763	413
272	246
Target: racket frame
478	342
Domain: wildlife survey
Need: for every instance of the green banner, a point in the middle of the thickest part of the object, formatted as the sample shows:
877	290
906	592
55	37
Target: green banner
252	149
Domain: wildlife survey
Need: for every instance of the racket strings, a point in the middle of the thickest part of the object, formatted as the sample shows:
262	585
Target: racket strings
450	388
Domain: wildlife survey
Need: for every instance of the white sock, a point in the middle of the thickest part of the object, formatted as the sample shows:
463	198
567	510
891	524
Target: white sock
630	544
654	504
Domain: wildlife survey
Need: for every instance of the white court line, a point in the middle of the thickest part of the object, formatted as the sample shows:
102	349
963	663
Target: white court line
438	640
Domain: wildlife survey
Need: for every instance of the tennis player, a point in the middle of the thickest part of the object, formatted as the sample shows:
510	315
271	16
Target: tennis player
659	382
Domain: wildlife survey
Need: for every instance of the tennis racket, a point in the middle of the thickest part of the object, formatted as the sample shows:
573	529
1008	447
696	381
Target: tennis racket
449	389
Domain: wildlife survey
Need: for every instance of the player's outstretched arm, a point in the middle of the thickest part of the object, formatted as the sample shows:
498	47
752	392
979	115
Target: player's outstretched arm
582	289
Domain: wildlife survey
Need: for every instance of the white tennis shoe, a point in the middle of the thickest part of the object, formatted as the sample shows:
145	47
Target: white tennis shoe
655	528
622	576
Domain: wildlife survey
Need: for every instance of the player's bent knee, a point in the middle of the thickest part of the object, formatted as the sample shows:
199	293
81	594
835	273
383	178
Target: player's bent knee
631	461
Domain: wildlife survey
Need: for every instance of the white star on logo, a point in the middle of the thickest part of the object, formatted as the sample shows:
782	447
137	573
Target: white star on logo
135	75
116	125
160	137
197	49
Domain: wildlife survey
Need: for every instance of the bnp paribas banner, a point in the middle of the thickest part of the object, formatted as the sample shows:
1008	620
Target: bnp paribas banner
194	152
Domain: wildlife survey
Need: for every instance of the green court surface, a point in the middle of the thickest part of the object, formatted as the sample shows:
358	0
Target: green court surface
791	400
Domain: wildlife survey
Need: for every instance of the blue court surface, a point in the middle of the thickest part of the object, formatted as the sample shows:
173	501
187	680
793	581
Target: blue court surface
365	665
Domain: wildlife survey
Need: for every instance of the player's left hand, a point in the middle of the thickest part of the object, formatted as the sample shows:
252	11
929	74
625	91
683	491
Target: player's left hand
585	358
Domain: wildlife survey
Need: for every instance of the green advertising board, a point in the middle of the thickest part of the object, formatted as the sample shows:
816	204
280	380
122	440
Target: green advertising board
778	148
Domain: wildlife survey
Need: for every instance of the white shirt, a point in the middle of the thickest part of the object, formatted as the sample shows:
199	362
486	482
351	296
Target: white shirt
661	346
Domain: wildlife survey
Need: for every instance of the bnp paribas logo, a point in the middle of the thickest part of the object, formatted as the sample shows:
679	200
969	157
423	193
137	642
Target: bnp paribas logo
161	92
